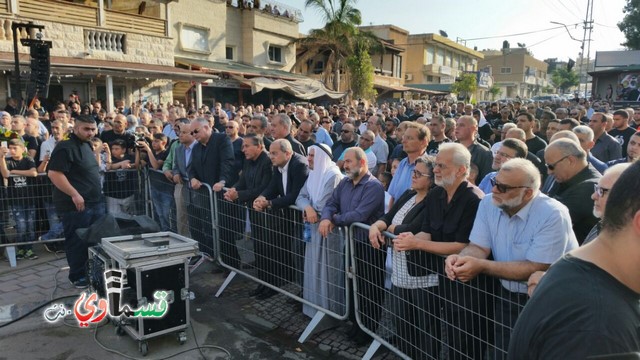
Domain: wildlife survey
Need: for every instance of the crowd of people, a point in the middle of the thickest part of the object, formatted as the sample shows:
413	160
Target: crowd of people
504	190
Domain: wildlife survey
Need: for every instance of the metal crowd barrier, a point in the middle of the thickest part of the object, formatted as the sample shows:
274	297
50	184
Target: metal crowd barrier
268	248
27	212
414	310
186	211
407	303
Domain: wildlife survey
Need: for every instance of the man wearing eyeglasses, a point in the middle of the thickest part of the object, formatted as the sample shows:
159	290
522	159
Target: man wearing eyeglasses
574	180
587	303
509	149
524	230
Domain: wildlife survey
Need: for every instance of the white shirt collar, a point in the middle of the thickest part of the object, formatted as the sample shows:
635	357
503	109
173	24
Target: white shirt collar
285	168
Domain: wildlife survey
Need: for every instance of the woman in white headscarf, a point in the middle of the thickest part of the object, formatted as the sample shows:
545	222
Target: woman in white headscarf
321	272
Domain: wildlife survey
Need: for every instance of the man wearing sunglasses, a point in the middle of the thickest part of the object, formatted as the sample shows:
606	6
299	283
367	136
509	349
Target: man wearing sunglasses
586	305
574	180
524	230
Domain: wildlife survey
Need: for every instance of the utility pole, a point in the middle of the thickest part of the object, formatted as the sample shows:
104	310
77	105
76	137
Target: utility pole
587	26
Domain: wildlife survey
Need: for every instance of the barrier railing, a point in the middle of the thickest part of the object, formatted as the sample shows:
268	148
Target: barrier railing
413	309
311	272
28	215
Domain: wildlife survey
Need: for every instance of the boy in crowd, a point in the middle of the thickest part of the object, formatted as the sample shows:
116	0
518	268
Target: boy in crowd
22	206
120	185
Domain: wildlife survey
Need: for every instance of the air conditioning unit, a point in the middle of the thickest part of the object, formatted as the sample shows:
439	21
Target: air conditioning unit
408	77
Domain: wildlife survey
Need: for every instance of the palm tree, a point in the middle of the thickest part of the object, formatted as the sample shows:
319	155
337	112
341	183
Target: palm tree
336	39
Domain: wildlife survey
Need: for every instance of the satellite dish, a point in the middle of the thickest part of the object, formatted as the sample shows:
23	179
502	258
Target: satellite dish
443	33
522	45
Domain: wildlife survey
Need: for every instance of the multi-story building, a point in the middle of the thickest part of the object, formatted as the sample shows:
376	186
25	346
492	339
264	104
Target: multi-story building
234	41
128	49
435	61
390	63
114	50
515	71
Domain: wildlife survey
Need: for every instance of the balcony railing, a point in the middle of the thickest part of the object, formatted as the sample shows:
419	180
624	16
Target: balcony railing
87	16
104	41
141	24
59	11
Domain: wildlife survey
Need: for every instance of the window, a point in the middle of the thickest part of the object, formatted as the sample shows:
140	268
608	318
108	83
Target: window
275	53
440	57
229	53
194	38
429	78
318	67
397	66
505	70
430	55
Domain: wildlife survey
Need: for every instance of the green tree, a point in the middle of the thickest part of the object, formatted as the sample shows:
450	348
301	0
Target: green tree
630	24
548	89
335	39
465	85
564	79
494	90
361	70
338	40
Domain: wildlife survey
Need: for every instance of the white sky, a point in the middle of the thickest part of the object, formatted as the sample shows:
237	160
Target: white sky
469	19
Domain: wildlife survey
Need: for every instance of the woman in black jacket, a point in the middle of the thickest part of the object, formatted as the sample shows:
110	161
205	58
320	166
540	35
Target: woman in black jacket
409	295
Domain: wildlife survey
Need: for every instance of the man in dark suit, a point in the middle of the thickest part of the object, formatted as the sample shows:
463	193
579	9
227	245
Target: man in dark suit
254	178
273	247
211	164
281	129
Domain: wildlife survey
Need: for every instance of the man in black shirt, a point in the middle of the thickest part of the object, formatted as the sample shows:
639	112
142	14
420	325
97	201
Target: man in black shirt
526	121
18	123
74	172
621	130
437	126
574	181
119	132
347	140
587	303
451	210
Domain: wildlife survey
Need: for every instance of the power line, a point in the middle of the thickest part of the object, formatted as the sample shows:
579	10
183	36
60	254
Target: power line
549	38
609	26
569	10
524	33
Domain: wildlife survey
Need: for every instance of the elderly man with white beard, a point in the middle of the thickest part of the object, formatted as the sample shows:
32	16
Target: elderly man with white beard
524	230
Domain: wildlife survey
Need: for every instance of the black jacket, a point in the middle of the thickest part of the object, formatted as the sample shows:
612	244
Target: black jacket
255	177
214	162
297	174
412	221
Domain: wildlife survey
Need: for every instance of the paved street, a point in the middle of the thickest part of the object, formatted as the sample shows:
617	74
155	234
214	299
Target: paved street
247	329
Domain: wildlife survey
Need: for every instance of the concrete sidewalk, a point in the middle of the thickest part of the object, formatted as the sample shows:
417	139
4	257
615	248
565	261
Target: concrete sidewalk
235	323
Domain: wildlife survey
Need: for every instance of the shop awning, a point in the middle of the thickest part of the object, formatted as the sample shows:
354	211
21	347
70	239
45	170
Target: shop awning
402	88
81	66
258	78
305	89
233	68
435	89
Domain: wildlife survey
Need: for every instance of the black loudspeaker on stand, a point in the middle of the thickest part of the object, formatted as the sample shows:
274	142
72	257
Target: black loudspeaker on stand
40	70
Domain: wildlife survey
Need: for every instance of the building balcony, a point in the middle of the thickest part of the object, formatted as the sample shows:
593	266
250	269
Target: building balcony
75	32
439	70
65	12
